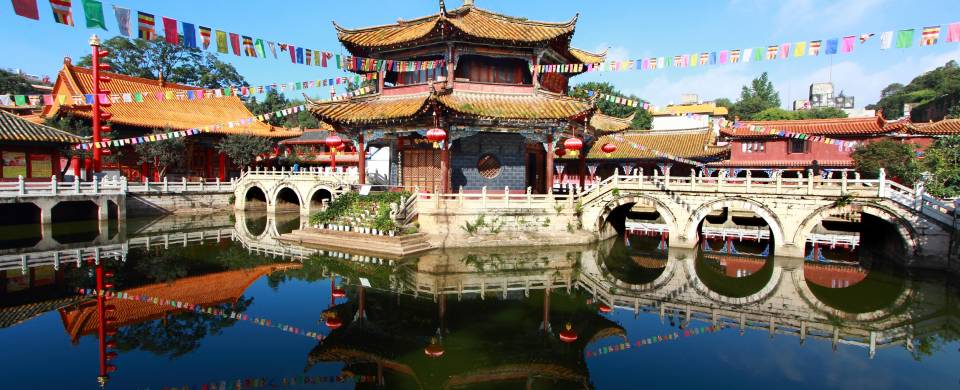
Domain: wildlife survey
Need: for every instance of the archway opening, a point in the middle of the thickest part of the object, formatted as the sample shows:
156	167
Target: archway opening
636	259
255	199
287	201
740	225
836	240
639	217
732	275
21	226
75	221
852	288
113	219
320	199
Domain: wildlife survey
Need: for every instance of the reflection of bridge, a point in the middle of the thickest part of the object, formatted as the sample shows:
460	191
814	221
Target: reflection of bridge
308	187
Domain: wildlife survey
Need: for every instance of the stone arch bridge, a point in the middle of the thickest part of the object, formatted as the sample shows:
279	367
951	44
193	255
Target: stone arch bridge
791	207
307	188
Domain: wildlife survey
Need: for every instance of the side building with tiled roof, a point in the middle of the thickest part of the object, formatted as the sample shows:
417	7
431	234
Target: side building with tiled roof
502	117
154	111
30	150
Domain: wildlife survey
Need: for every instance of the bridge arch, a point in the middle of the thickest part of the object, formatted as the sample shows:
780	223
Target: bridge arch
776	228
769	288
624	203
250	194
317	194
814	301
903	227
286	196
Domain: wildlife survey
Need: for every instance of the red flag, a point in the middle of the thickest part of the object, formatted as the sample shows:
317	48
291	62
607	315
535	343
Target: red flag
293	54
26	8
235	43
170	30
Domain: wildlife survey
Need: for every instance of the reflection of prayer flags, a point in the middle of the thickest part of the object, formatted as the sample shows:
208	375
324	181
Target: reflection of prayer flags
848	42
205	37
26	8
93	12
904	39
61	11
235	43
886	40
832	45
123	19
953	32
815	48
799	49
929	36
145	23
189	35
170	30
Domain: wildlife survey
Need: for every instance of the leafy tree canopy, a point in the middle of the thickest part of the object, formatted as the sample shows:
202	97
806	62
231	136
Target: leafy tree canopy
14	84
928	86
273	101
176	63
760	95
244	149
643	119
164	154
774	114
897	159
942	160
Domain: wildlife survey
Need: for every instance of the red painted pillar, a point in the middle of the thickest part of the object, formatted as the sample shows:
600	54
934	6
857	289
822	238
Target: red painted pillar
549	161
75	161
333	158
362	159
445	166
208	171
223	167
582	169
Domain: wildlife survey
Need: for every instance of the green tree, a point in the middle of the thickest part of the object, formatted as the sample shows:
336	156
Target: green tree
942	160
243	149
953	112
14	84
925	87
758	96
273	101
175	63
899	160
71	125
642	120
163	154
777	114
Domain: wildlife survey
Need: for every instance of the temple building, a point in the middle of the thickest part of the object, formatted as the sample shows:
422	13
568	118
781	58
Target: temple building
30	150
499	115
157	111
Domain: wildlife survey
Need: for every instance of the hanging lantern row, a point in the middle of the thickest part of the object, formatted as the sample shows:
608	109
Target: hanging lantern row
608	148
437	136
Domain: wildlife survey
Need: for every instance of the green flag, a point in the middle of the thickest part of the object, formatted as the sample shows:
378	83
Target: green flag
93	10
260	50
138	97
758	54
904	38
222	42
20	100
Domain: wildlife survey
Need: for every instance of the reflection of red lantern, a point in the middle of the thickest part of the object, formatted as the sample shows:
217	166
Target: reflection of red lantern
573	145
434	349
338	293
333	322
608	148
604	308
567	335
436	135
560	152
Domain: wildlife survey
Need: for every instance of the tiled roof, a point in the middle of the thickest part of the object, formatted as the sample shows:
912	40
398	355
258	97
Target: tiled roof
470	21
588	57
783	163
703	108
158	114
944	127
17	129
835	127
369	110
610	123
309	137
686	144
539	105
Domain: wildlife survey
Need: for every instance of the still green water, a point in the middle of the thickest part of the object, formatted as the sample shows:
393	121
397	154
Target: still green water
730	314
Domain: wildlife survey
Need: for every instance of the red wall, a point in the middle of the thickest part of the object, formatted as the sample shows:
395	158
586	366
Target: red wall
777	149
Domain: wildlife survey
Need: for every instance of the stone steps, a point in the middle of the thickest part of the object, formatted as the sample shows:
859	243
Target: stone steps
360	243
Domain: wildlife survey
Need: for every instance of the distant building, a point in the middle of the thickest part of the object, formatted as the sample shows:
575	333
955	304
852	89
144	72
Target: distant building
822	96
690	114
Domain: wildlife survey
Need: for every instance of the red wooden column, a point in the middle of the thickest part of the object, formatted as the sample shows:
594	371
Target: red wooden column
445	165
549	162
362	159
582	169
223	166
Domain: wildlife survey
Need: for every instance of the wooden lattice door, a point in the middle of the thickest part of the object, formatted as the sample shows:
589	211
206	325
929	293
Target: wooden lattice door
421	168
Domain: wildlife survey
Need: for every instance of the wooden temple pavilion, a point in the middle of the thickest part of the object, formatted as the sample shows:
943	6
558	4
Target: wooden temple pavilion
500	115
157	113
30	150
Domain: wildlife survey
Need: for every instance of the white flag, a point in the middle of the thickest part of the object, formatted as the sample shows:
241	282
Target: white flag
886	40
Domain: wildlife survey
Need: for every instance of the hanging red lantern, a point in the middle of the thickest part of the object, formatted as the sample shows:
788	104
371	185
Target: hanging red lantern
333	141
434	349
567	335
560	152
436	135
332	321
604	308
608	148
573	145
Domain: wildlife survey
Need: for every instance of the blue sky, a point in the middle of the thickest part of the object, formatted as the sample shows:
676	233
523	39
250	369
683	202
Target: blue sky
630	29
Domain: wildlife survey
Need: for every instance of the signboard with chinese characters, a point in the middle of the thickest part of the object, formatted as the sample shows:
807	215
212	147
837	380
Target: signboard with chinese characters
41	165
14	164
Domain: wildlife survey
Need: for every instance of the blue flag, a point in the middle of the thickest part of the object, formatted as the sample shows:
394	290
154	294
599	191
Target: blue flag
189	35
299	55
832	46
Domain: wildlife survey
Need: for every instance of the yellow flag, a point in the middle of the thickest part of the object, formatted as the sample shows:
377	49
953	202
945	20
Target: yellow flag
799	49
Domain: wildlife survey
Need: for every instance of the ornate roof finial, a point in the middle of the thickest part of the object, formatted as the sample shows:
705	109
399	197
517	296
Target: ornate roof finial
468	3
443	8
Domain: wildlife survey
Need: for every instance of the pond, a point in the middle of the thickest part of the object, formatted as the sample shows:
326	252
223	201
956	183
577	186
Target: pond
216	302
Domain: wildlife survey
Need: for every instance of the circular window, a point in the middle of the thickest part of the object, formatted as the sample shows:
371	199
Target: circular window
488	166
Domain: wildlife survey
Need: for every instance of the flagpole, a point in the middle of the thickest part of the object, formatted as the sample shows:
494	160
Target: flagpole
95	47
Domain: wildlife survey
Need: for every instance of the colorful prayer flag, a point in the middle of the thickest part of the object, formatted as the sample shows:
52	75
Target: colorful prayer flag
772	52
865	37
832	46
273	49
929	36
93	12
904	39
248	49
61	11
26	8
205	33
222	42
170	30
848	43
953	32
261	52
758	54
146	22
123	19
785	51
189	35
799	49
886	40
815	48
734	56
235	43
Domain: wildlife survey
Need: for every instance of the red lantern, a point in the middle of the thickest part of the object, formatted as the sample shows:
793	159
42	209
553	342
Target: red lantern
608	148
333	322
338	293
573	145
436	135
567	335
560	152
333	141
604	308
434	349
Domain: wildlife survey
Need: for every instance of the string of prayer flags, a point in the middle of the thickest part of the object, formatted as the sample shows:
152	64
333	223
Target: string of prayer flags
655	340
273	383
209	310
61	12
789	134
93	12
